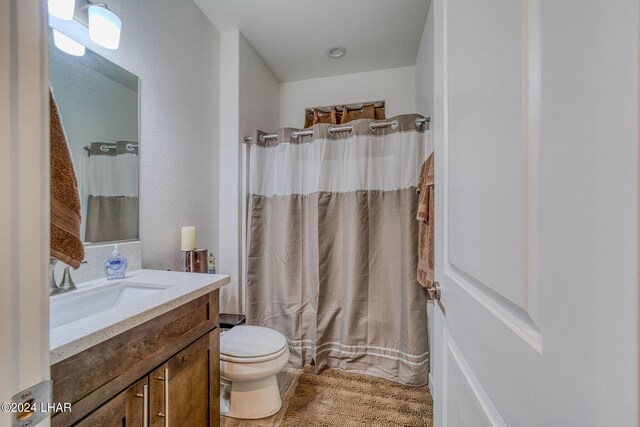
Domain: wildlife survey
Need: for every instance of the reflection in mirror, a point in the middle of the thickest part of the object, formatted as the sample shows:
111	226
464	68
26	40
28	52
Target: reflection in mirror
98	104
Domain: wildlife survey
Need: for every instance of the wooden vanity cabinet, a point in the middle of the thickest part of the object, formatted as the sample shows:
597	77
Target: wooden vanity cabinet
184	388
164	372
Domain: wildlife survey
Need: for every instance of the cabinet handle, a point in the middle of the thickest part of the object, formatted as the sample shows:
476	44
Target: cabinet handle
145	405
165	415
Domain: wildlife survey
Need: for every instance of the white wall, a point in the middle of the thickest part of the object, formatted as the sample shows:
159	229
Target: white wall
259	109
396	86
230	201
174	49
248	101
259	92
424	69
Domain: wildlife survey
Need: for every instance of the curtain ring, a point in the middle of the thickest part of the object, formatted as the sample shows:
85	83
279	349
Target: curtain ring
262	138
377	125
330	131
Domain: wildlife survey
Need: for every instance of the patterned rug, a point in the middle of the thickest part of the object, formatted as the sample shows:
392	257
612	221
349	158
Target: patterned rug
336	398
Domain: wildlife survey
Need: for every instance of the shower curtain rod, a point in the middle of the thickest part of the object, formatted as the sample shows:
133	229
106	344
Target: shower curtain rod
373	125
105	147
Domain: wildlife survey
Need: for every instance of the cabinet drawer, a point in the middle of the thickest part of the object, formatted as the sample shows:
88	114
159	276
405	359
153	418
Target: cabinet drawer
92	377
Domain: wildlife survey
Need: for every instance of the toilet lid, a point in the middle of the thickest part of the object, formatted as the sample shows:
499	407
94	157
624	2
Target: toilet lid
251	341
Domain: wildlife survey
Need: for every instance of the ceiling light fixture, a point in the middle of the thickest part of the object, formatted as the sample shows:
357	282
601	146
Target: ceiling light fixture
104	26
336	52
62	9
67	44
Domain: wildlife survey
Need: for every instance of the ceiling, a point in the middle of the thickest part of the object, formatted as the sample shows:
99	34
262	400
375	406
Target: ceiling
292	36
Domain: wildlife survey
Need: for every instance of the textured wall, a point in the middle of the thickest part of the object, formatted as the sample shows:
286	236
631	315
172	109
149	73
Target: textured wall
249	101
259	102
230	172
396	86
424	69
174	49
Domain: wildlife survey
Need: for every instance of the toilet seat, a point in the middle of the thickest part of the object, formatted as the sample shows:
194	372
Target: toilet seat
265	358
251	344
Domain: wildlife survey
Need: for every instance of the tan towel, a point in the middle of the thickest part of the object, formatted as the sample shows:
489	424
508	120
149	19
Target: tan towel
425	216
66	244
366	112
318	116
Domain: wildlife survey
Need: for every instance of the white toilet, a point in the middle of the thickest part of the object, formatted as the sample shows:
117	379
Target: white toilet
250	358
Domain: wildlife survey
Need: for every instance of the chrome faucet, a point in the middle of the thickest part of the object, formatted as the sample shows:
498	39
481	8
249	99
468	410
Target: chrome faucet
67	282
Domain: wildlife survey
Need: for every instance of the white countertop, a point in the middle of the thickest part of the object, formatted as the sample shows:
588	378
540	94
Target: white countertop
70	339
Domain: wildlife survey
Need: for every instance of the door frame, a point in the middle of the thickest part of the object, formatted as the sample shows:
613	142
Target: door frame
24	190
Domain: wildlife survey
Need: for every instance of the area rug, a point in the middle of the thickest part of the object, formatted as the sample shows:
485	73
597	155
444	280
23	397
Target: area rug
335	398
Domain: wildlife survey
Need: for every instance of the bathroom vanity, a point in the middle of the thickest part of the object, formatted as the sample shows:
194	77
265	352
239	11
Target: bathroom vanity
146	353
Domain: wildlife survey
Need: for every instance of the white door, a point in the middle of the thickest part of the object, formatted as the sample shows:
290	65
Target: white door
536	135
24	200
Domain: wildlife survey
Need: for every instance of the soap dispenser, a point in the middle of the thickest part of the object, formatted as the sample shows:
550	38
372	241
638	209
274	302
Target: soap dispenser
116	265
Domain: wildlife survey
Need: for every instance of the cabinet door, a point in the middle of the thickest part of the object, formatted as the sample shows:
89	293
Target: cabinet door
185	390
127	409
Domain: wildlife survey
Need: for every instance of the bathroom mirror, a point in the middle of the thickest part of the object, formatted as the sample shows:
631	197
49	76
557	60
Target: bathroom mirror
98	103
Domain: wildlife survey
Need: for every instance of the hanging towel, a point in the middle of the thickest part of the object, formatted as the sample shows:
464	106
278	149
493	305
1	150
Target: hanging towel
364	112
66	244
316	115
425	218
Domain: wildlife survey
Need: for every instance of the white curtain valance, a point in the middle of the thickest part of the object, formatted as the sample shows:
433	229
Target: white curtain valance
358	162
113	176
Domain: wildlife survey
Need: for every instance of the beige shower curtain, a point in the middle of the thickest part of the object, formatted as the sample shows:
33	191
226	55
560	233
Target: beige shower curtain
332	251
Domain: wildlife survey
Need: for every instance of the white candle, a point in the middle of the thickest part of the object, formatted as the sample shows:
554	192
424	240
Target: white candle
188	238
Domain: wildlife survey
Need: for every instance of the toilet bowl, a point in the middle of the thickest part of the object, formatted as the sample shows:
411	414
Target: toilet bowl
250	359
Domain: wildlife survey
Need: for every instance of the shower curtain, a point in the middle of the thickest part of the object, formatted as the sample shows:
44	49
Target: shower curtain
332	247
112	203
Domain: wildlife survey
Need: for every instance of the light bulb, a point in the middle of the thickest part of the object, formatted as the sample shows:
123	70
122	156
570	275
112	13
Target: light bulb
104	27
67	44
62	9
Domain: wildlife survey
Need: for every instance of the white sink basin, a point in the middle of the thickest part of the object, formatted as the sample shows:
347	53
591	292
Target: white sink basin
78	304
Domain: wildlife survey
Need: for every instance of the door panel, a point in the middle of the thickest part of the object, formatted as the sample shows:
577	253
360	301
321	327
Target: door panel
487	226
185	387
536	140
460	398
467	401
